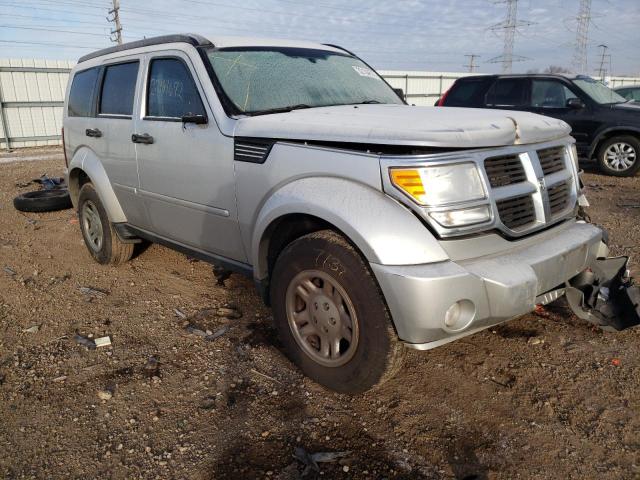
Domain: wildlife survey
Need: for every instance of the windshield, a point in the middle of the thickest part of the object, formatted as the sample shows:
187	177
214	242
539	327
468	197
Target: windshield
597	91
258	80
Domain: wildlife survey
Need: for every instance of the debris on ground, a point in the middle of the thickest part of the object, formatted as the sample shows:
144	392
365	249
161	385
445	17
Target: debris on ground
152	367
228	312
221	275
105	394
85	341
179	313
102	341
311	460
59	379
615	362
10	271
33	329
195	330
91	292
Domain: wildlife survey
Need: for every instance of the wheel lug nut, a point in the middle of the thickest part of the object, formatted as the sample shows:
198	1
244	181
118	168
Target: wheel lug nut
326	306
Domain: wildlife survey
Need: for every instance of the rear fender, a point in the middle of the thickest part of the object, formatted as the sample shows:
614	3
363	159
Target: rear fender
85	160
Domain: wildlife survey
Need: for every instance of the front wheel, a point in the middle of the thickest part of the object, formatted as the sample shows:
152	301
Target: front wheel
101	239
620	156
331	316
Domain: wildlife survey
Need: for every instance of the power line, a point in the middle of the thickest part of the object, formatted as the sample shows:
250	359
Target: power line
472	67
509	26
582	37
20	27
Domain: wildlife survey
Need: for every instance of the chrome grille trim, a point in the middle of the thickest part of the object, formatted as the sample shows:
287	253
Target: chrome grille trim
536	186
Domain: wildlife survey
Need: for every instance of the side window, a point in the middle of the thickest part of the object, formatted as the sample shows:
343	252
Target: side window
508	92
82	92
549	94
172	92
465	93
118	89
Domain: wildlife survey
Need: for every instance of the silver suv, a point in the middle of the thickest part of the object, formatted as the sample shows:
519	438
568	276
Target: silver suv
368	225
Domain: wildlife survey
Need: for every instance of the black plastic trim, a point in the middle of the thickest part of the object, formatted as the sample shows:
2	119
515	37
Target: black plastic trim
213	259
258	142
190	38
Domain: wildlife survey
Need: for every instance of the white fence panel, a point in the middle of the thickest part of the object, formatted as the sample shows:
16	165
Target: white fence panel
31	101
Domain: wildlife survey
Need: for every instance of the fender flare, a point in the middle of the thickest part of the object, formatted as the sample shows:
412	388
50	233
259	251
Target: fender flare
606	131
382	229
86	160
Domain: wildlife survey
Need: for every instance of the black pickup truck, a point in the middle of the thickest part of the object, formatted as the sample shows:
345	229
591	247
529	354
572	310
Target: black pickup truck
606	126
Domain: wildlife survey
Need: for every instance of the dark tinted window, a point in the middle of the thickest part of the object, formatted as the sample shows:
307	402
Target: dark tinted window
81	94
465	93
508	92
549	94
118	89
172	91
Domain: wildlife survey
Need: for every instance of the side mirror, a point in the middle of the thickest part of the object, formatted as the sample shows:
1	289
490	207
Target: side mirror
575	103
193	118
399	92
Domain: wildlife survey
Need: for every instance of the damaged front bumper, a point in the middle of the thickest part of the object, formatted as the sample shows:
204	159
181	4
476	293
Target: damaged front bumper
605	295
437	303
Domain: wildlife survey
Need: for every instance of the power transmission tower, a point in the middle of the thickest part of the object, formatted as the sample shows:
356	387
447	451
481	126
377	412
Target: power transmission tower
116	34
510	27
472	67
582	37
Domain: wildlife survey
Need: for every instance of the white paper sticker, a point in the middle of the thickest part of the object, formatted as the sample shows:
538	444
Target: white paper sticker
365	72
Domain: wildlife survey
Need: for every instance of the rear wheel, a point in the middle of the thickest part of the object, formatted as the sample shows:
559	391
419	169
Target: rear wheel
101	239
331	316
620	156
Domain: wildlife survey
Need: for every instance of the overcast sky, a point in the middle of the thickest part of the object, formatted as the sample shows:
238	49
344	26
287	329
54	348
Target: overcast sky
389	34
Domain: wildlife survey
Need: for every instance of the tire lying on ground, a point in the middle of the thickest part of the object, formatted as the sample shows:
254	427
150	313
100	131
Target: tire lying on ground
43	201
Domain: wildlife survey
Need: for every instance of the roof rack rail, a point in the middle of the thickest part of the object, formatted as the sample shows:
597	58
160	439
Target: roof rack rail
190	38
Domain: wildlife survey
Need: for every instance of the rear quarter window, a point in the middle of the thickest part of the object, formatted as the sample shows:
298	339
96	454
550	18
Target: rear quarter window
82	92
466	93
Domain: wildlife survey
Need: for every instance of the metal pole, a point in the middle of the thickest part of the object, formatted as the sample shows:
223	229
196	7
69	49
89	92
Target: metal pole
3	120
116	19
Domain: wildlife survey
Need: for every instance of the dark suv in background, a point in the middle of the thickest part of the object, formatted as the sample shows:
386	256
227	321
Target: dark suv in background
606	126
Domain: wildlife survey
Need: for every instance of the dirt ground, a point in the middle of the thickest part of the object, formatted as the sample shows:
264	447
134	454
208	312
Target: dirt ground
544	396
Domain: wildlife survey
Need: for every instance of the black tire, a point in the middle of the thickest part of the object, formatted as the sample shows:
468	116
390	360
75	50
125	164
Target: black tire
109	250
377	354
633	144
43	201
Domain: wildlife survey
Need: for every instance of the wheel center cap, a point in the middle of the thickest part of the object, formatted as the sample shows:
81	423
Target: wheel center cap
325	313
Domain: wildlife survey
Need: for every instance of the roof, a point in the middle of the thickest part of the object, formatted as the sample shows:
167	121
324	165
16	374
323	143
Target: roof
569	76
217	41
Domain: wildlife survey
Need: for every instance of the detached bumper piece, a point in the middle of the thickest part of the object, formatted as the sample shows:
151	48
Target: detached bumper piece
605	295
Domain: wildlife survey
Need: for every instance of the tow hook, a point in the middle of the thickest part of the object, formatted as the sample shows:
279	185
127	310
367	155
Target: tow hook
605	295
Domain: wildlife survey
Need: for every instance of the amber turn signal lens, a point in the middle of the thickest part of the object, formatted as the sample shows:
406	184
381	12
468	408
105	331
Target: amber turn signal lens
409	181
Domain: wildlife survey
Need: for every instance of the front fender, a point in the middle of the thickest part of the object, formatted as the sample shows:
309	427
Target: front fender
385	231
85	160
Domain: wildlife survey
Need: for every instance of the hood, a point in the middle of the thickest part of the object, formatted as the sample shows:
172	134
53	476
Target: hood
405	125
631	107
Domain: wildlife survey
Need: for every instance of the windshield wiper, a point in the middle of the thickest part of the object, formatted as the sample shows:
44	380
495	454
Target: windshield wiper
299	106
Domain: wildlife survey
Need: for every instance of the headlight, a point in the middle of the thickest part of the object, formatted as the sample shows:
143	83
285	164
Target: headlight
440	184
462	217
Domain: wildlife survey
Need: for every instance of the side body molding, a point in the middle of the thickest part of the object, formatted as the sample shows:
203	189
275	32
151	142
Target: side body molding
85	160
385	232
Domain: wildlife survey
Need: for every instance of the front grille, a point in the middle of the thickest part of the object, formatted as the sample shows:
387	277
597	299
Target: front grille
516	212
558	197
504	170
552	159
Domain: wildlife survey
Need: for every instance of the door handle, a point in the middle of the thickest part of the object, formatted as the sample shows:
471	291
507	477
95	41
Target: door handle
93	132
144	138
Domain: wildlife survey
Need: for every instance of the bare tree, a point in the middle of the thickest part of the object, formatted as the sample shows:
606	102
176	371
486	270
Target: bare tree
556	69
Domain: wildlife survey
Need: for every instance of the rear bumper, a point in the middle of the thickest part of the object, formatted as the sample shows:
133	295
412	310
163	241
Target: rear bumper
486	291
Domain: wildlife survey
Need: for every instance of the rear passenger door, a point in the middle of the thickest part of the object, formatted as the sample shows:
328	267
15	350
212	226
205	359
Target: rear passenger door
113	128
186	169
